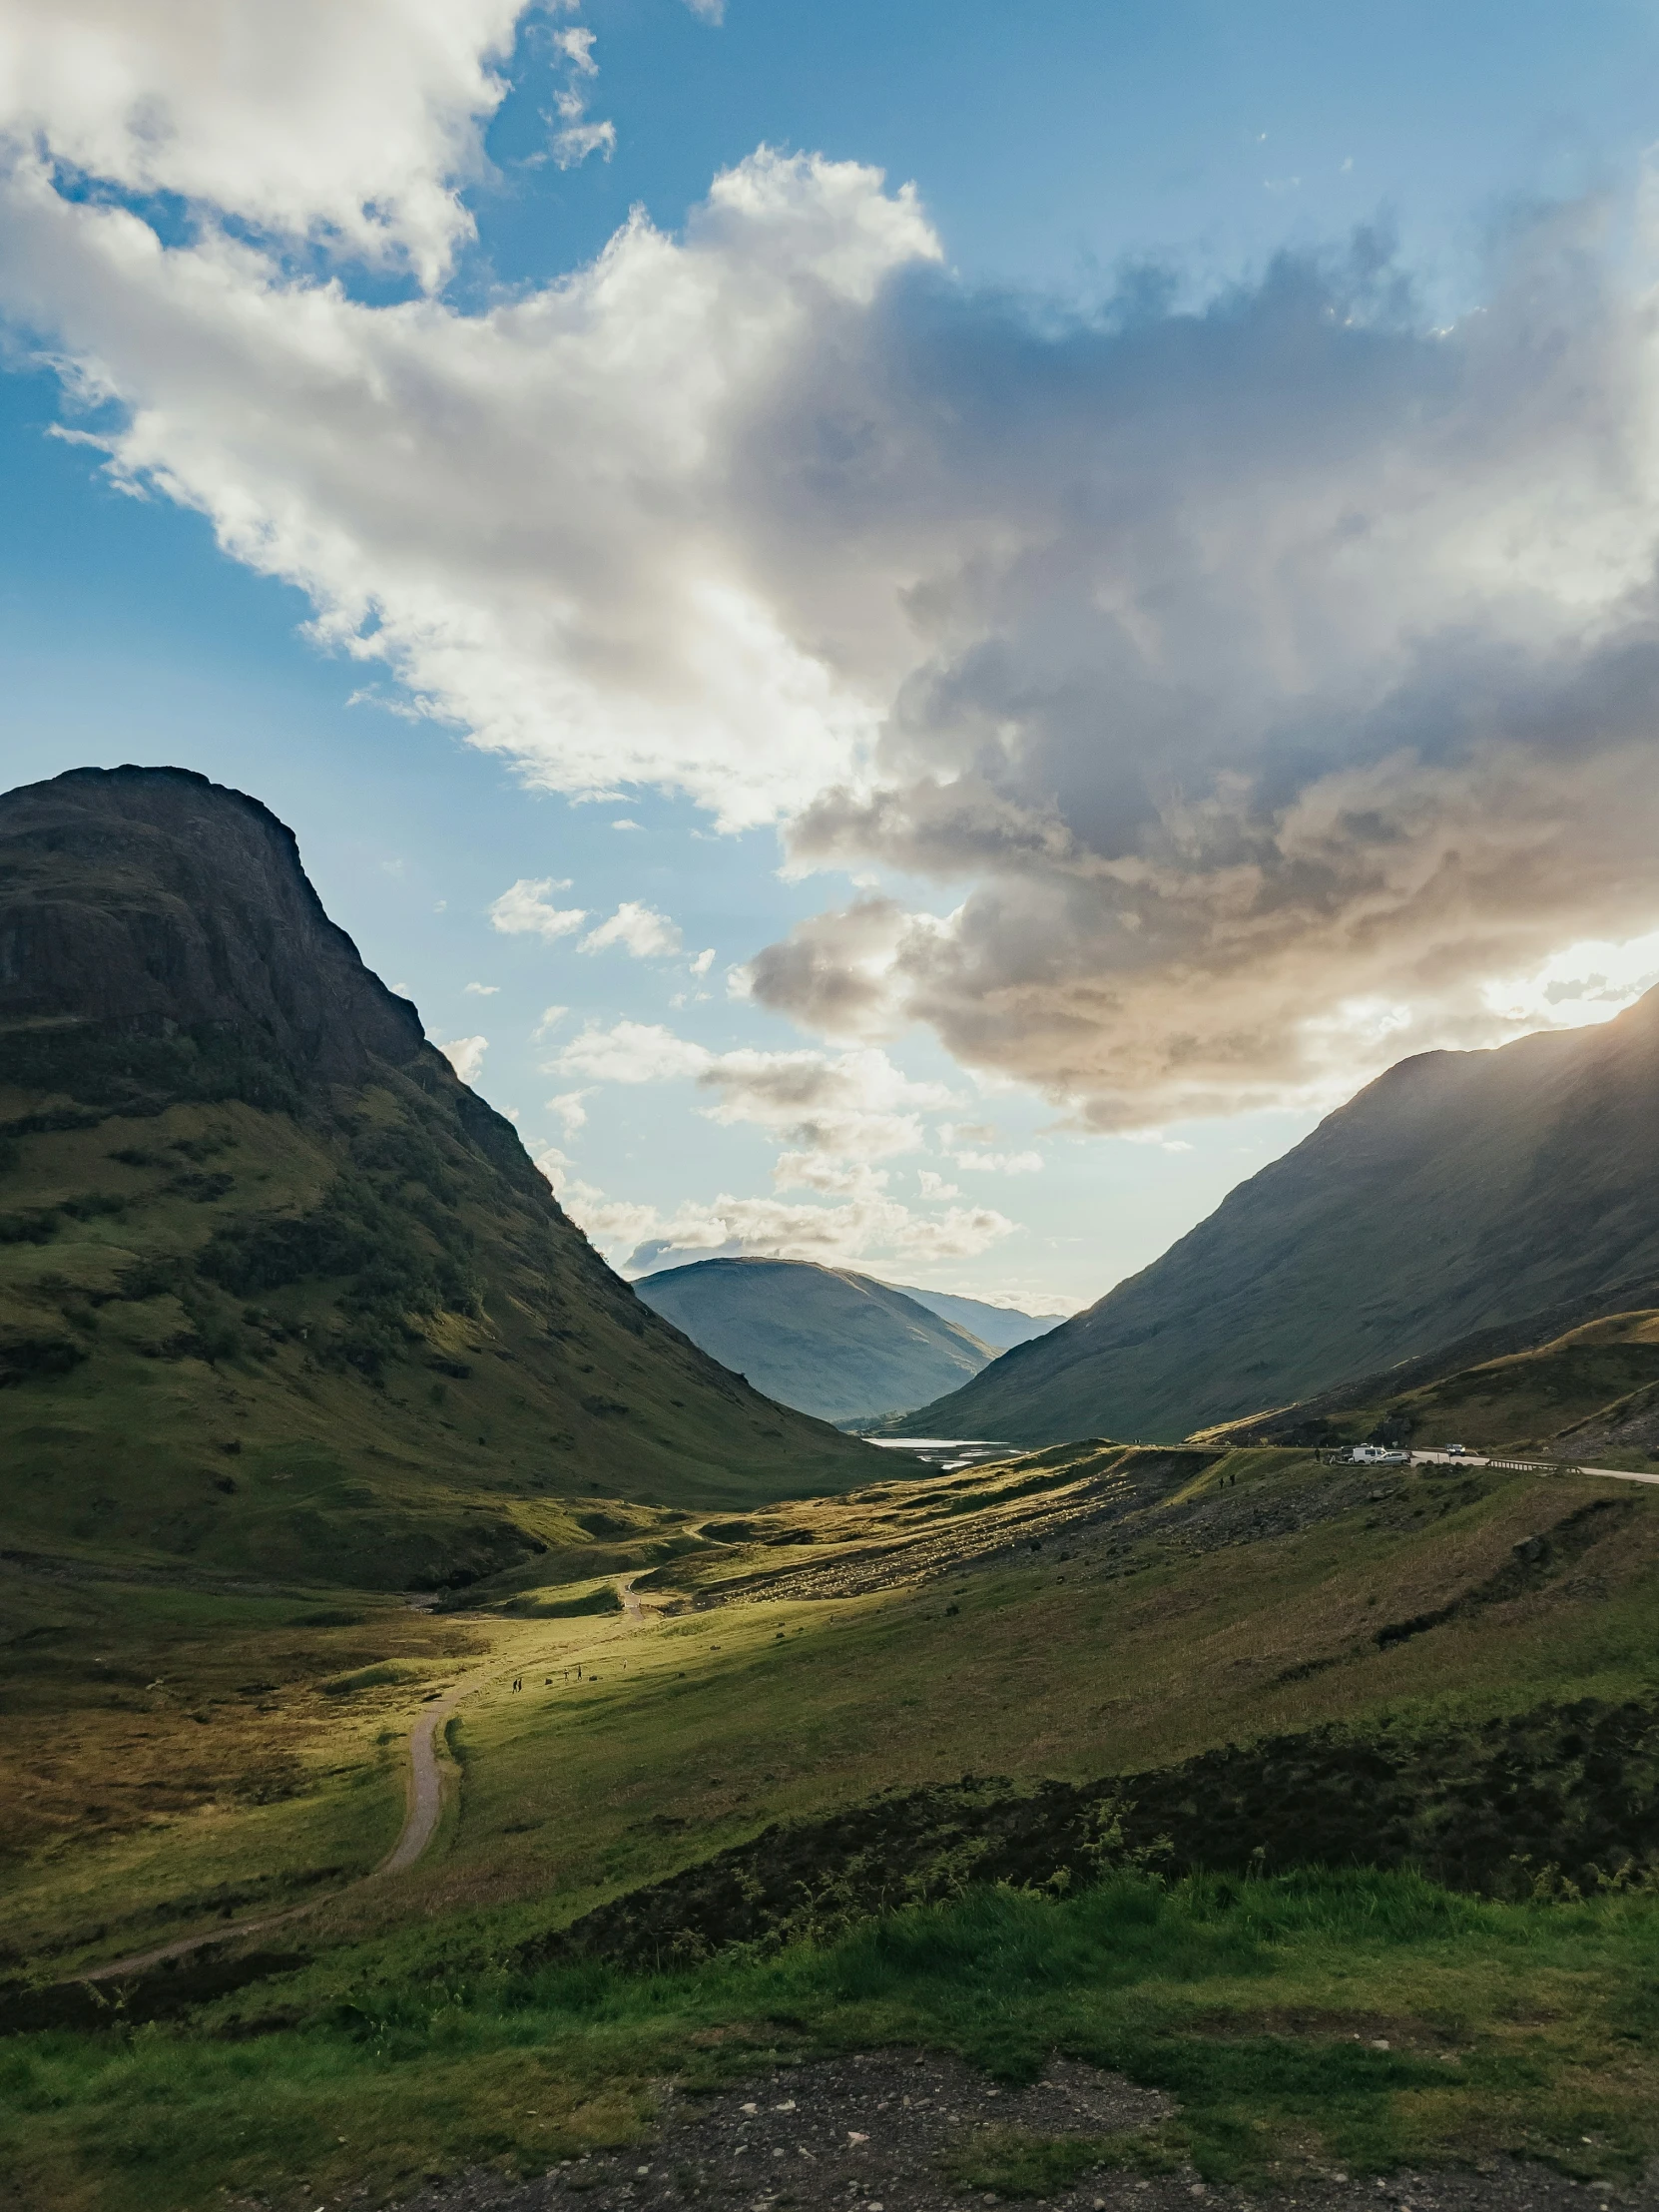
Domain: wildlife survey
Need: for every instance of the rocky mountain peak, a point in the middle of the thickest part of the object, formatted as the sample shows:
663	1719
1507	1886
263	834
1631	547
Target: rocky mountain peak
145	900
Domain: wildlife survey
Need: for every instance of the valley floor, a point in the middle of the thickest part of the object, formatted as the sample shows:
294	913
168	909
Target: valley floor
1082	1613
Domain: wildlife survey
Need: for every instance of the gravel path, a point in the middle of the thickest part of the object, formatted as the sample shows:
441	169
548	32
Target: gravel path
868	2134
425	1786
425	1809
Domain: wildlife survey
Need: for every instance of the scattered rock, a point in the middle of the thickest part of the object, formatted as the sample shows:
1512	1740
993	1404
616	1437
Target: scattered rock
875	2132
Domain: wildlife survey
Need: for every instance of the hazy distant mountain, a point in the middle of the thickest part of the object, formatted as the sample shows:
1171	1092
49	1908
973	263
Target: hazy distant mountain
996	1326
1461	1192
277	1292
823	1340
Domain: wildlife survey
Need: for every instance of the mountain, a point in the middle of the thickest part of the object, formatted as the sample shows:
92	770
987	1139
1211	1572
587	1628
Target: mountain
277	1292
824	1340
1460	1193
998	1327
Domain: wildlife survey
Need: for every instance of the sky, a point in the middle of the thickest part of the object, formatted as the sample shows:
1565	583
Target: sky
920	630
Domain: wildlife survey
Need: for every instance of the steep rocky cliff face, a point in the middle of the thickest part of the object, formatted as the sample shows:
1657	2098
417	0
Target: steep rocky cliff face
276	1290
146	902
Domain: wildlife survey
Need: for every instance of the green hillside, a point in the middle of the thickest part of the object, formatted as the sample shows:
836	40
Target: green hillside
829	1341
278	1292
1590	1393
1460	1193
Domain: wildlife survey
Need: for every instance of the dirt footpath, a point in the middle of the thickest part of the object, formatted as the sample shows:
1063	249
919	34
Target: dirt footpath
880	2132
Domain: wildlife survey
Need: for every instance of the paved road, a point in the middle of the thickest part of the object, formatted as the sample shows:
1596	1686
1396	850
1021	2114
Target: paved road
1544	1467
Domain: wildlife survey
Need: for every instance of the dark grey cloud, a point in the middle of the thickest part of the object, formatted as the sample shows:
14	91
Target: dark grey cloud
1292	676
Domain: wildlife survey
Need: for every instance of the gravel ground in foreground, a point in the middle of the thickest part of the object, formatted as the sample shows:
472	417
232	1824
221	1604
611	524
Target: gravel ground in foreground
865	2134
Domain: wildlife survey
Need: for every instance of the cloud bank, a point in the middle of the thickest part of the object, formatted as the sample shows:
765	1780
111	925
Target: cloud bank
351	127
1235	696
847	1108
831	1115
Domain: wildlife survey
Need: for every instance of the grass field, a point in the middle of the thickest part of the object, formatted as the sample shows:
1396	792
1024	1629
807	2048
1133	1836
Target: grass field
1351	2020
1085	1612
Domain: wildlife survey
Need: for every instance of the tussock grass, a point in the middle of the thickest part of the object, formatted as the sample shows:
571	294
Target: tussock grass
1365	2019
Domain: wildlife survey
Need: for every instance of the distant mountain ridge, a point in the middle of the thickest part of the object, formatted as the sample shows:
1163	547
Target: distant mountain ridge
278	1292
827	1341
1459	1195
999	1326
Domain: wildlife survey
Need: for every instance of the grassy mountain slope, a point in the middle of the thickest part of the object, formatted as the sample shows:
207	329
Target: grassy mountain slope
998	1327
1591	1393
278	1292
824	1340
1461	1192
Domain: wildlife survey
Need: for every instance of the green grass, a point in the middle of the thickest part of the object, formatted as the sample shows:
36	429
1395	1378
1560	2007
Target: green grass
1570	1397
351	1345
175	1752
690	1734
1360	2020
416	2038
1010	2162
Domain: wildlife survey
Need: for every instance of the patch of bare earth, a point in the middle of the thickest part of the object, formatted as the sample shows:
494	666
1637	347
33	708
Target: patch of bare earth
884	2131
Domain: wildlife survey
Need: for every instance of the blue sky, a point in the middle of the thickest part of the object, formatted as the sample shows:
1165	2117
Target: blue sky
1102	663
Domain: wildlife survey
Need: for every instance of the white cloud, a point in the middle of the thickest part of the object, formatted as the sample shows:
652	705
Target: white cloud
834	1177
465	1055
633	1052
309	120
570	1106
628	628
1582	983
576	45
704	962
625	823
578	136
932	1185
1000	1163
966	1132
551	1017
1234	678
854	1106
524	910
863	1230
482	990
638	930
